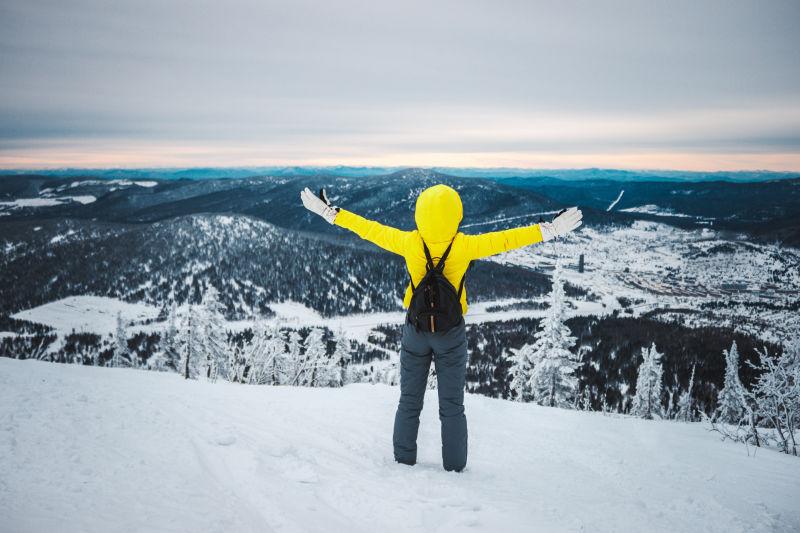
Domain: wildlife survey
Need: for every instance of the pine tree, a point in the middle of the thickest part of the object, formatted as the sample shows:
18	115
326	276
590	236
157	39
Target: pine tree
121	355
545	370
521	371
340	360
190	345
731	407
214	345
171	348
685	402
647	401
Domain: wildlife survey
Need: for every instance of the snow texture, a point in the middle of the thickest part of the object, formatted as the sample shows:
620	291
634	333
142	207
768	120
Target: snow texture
98	449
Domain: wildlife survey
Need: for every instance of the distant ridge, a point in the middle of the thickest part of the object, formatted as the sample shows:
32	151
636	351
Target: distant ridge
362	171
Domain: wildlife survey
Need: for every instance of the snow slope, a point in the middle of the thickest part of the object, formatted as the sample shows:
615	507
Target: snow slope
95	449
97	314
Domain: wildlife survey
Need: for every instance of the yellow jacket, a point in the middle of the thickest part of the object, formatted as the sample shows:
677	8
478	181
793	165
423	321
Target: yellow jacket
438	213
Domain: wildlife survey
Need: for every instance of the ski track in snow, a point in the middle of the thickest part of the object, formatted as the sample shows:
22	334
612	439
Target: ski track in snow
94	449
615	202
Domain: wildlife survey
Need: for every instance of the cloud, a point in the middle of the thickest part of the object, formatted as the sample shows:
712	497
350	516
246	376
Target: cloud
300	80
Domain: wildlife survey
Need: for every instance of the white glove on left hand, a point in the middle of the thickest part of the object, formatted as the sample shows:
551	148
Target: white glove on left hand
567	221
319	204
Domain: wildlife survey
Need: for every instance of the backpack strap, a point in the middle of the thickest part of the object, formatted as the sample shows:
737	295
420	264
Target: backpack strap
463	278
439	266
428	258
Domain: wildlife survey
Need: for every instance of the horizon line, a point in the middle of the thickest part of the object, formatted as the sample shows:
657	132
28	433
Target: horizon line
55	168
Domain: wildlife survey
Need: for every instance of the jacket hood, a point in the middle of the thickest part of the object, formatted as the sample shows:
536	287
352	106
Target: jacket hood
438	213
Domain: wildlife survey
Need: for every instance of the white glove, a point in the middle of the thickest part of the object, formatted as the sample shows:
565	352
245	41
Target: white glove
562	224
319	204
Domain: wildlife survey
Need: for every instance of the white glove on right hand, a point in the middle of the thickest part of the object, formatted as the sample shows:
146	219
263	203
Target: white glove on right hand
562	224
319	204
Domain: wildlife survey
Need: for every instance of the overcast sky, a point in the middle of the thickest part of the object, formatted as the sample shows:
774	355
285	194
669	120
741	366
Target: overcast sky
634	84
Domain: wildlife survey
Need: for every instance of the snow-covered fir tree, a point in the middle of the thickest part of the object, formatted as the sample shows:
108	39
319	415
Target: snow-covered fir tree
168	358
521	371
545	370
190	345
121	355
214	337
731	403
685	402
647	401
340	361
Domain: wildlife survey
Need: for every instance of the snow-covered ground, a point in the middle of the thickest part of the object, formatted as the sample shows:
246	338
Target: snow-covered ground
95	449
47	201
657	265
651	209
96	314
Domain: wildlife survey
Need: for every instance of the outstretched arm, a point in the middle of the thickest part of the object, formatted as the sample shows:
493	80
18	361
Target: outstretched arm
497	242
387	237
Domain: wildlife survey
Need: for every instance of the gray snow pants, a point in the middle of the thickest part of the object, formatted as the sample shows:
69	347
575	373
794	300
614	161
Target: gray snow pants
448	351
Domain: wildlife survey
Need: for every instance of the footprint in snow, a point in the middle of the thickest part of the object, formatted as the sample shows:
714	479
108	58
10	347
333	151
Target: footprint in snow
225	440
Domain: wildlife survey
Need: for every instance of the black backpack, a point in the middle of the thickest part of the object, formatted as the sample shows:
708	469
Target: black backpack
435	304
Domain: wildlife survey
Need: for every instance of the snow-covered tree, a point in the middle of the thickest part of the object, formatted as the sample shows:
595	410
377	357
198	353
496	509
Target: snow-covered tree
171	349
647	401
265	356
731	403
586	399
545	370
121	355
190	345
294	357
776	395
280	367
521	371
214	345
314	360
340	360
685	402
237	364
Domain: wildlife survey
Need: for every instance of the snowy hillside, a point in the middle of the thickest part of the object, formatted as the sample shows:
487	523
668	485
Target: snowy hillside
96	449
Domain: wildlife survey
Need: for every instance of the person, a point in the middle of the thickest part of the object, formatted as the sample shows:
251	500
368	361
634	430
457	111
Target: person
436	248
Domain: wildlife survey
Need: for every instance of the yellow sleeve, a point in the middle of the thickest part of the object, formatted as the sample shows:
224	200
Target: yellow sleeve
497	242
387	237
